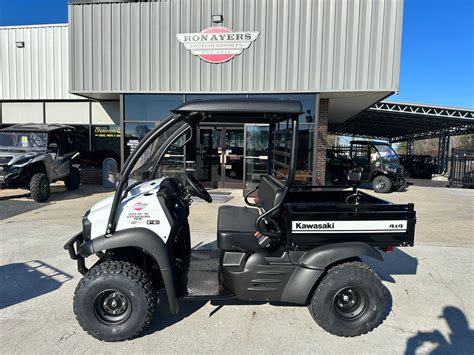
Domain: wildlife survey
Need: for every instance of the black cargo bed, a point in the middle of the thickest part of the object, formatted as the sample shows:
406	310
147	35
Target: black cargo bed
322	217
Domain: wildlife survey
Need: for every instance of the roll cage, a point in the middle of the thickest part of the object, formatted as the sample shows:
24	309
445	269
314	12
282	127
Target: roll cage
281	115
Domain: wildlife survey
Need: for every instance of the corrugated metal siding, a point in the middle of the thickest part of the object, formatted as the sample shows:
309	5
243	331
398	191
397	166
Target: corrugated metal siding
303	46
39	71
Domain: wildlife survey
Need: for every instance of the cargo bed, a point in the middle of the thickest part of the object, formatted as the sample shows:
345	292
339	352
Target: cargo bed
322	216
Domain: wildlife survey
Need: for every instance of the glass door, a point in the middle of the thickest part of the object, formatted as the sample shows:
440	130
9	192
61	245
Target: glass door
220	162
208	167
232	158
256	154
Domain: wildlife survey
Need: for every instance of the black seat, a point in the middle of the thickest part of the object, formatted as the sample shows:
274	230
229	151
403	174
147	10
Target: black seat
236	225
236	228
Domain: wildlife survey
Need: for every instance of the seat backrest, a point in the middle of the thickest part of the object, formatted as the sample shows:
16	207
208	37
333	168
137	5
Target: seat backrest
269	193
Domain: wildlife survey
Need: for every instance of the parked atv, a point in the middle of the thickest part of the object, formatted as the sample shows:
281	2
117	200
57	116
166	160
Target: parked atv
295	244
34	155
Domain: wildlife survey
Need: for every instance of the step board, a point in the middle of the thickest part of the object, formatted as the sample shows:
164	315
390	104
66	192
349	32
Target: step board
203	276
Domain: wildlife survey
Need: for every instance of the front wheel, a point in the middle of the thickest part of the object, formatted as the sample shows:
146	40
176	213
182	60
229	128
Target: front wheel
349	301
382	184
39	187
115	301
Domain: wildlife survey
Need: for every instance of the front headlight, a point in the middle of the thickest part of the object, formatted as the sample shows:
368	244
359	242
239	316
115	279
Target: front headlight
390	168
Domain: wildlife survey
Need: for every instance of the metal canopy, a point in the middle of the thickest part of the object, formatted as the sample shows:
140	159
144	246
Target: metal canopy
397	122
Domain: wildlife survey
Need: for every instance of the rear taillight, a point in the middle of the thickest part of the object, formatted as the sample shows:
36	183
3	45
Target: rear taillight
387	249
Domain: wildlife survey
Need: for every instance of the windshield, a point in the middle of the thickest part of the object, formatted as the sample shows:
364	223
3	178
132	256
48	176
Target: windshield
23	141
144	169
385	152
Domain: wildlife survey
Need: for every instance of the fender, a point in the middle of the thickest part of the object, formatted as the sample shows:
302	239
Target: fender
377	172
313	264
47	162
148	241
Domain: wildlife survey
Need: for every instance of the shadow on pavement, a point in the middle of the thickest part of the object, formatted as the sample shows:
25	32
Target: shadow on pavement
11	208
20	282
60	193
459	341
164	319
395	263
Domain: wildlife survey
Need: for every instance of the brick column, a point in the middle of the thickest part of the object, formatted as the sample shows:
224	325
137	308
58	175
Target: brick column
320	143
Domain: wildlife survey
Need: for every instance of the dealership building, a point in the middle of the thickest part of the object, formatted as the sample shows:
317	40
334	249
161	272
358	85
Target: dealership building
118	67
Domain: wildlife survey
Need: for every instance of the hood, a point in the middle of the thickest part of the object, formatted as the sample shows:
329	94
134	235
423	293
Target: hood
100	211
13	157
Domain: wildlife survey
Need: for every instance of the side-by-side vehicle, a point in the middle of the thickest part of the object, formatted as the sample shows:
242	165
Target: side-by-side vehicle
292	244
34	155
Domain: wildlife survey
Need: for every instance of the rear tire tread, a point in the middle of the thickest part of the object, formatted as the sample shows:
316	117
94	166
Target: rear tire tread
314	304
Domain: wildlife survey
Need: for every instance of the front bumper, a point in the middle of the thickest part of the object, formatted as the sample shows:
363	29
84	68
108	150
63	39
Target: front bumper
71	246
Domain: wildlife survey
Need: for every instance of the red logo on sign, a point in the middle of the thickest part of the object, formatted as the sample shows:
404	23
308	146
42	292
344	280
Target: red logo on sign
139	206
217	44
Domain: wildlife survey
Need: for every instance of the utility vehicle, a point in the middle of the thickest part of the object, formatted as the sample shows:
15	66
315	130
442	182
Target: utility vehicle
419	166
34	155
367	161
300	244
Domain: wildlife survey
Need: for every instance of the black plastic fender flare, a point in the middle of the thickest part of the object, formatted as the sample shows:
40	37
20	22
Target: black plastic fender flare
151	243
377	171
313	264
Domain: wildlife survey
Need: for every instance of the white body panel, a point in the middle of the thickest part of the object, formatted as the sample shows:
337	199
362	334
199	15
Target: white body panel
140	208
391	226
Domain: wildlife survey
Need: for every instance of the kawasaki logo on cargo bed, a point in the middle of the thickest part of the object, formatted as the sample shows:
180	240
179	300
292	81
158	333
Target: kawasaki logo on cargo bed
390	226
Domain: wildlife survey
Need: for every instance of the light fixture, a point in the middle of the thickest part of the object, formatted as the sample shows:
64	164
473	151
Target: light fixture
217	18
20	44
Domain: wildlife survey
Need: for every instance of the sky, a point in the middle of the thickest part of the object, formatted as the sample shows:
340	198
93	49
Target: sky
437	64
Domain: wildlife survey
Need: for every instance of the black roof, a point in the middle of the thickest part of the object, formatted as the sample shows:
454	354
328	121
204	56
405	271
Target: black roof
245	106
29	127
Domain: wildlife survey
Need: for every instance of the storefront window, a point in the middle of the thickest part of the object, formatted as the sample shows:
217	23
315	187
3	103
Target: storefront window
143	113
256	154
134	133
150	107
105	143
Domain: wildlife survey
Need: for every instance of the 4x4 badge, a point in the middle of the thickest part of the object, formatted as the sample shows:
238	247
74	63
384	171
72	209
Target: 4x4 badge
217	44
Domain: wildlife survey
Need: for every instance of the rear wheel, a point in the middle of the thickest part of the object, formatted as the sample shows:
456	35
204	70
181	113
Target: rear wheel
382	184
115	301
39	187
349	301
73	181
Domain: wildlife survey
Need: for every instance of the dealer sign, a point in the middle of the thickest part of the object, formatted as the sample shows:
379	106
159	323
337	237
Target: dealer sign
217	44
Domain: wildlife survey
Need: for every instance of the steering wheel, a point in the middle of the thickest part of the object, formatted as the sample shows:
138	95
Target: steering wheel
196	189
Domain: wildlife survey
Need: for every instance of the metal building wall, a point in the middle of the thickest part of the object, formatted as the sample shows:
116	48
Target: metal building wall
303	46
40	70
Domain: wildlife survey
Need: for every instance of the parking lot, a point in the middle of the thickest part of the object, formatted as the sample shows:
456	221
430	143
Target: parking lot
431	287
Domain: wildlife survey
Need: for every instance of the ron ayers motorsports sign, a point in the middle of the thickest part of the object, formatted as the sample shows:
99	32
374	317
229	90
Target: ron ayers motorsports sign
217	44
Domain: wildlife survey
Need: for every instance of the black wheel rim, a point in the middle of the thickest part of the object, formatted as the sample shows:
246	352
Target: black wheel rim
380	184
350	303
112	307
